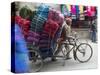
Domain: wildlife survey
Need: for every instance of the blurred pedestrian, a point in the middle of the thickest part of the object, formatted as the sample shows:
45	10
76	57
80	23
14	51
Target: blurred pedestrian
93	30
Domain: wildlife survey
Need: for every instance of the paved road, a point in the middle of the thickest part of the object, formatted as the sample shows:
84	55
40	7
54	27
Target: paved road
72	64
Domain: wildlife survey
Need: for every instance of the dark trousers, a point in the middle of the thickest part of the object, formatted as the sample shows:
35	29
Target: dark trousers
93	36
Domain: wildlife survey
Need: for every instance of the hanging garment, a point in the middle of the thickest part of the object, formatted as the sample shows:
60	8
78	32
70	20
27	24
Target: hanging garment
73	9
68	10
40	18
65	10
24	25
81	9
68	7
77	11
93	9
89	12
21	60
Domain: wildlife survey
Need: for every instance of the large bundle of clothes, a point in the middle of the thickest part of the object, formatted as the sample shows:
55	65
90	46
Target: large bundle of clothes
43	30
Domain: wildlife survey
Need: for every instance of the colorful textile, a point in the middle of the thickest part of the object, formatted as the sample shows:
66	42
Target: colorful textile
73	9
68	7
33	37
53	23
44	45
24	25
65	10
19	40
90	11
40	18
56	16
21	63
37	23
43	10
51	28
21	59
77	11
81	8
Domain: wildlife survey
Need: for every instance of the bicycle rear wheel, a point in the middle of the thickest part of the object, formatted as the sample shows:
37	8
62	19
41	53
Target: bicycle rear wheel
84	52
37	61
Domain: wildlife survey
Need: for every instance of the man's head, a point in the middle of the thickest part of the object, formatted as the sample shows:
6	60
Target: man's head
68	21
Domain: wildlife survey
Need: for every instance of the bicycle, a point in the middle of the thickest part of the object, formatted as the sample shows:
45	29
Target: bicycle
79	50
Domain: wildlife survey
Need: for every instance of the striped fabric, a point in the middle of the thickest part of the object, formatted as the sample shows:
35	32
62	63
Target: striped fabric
44	45
33	37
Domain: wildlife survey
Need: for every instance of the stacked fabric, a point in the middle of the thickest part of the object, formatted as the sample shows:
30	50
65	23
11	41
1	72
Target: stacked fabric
44	45
48	37
33	37
37	23
24	25
40	18
51	28
56	16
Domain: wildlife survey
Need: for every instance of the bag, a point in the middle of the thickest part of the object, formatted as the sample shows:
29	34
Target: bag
40	18
51	28
56	16
33	37
24	25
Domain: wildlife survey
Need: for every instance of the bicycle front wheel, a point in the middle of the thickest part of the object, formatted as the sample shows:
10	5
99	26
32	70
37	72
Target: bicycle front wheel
84	52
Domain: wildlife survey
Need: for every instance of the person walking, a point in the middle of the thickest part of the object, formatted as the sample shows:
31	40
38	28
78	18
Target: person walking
93	32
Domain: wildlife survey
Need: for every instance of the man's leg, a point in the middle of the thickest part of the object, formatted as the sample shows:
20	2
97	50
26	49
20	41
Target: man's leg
92	36
58	50
68	53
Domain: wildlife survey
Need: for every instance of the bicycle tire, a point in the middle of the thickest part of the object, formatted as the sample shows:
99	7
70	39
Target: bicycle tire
35	59
77	50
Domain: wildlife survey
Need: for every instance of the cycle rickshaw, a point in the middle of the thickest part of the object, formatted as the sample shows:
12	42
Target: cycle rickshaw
82	52
79	49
